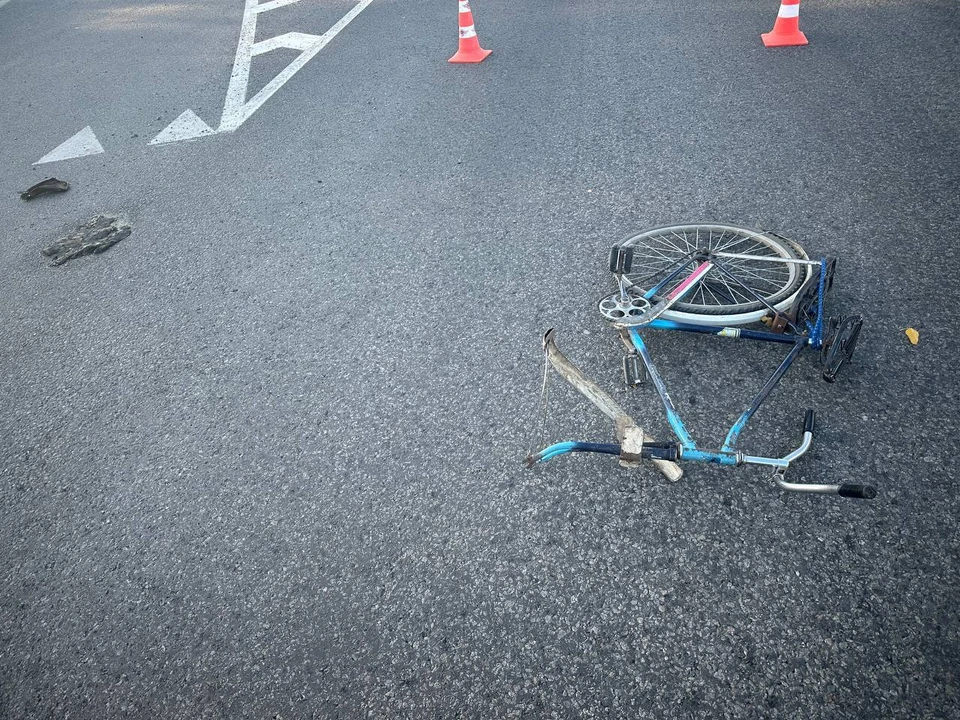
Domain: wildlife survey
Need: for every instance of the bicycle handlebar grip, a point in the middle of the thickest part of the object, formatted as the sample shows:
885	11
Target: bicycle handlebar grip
862	492
809	421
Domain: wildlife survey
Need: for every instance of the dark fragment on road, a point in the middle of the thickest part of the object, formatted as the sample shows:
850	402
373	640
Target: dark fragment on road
50	185
93	237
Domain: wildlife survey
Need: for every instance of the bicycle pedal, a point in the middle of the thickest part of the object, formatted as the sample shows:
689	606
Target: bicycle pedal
839	344
634	373
621	259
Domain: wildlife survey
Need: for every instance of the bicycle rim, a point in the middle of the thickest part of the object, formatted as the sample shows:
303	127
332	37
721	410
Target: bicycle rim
720	300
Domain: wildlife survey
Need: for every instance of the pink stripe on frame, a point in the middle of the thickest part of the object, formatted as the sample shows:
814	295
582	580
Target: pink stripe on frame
701	270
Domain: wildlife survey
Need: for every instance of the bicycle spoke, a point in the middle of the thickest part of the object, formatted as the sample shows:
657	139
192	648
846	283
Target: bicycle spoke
730	290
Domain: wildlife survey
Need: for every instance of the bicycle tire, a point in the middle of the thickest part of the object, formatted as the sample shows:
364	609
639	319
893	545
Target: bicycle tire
660	249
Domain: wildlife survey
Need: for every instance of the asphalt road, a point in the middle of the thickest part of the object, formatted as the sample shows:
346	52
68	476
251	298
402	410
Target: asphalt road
262	458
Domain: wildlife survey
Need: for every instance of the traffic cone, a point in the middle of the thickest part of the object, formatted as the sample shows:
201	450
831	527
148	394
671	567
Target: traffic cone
470	50
786	31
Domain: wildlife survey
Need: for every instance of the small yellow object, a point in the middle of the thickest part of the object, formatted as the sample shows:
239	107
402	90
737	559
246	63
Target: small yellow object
912	335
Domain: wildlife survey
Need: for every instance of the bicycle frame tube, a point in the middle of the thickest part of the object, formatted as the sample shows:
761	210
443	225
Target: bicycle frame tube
660	285
690	281
672	416
728	454
727	332
734	434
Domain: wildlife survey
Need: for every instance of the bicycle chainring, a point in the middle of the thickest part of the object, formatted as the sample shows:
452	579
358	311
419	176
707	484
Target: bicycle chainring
615	308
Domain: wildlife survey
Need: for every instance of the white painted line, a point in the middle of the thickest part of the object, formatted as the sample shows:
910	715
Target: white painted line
267	6
3	2
236	108
186	127
240	75
81	144
291	40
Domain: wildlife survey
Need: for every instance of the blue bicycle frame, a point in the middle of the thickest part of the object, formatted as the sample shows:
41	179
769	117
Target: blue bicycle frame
805	331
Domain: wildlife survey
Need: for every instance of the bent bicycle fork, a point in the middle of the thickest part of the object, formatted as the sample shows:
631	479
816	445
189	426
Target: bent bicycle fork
634	445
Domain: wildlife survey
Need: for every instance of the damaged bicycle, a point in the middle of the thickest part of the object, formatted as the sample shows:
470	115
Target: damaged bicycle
721	280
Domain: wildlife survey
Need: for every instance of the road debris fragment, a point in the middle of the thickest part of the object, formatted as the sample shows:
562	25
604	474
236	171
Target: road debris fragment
50	185
912	335
92	237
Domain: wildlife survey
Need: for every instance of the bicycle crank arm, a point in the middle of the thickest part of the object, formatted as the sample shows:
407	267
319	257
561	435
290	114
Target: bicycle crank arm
655	311
631	436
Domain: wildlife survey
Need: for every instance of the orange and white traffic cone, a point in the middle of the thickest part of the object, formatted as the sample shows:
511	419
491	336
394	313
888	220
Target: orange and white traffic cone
470	50
786	30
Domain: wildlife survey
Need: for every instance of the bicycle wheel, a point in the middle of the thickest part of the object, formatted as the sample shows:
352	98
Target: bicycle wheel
718	300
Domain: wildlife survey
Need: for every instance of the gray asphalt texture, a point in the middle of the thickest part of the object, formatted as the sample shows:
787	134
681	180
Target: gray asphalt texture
263	457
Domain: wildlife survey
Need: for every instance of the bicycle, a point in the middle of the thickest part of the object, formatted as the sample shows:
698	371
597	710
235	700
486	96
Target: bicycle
715	279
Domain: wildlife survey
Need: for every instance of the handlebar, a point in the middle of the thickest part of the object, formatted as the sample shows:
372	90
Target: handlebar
849	490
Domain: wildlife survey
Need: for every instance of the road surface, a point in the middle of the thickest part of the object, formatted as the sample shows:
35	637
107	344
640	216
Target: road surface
263	457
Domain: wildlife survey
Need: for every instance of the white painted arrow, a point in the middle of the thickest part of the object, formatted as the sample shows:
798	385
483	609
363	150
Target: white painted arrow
186	127
83	143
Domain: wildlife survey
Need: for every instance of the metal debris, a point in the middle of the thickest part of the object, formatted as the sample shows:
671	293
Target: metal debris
93	237
50	185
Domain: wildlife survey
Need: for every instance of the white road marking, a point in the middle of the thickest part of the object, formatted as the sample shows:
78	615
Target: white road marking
290	40
268	6
236	108
81	144
186	127
3	2
240	75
